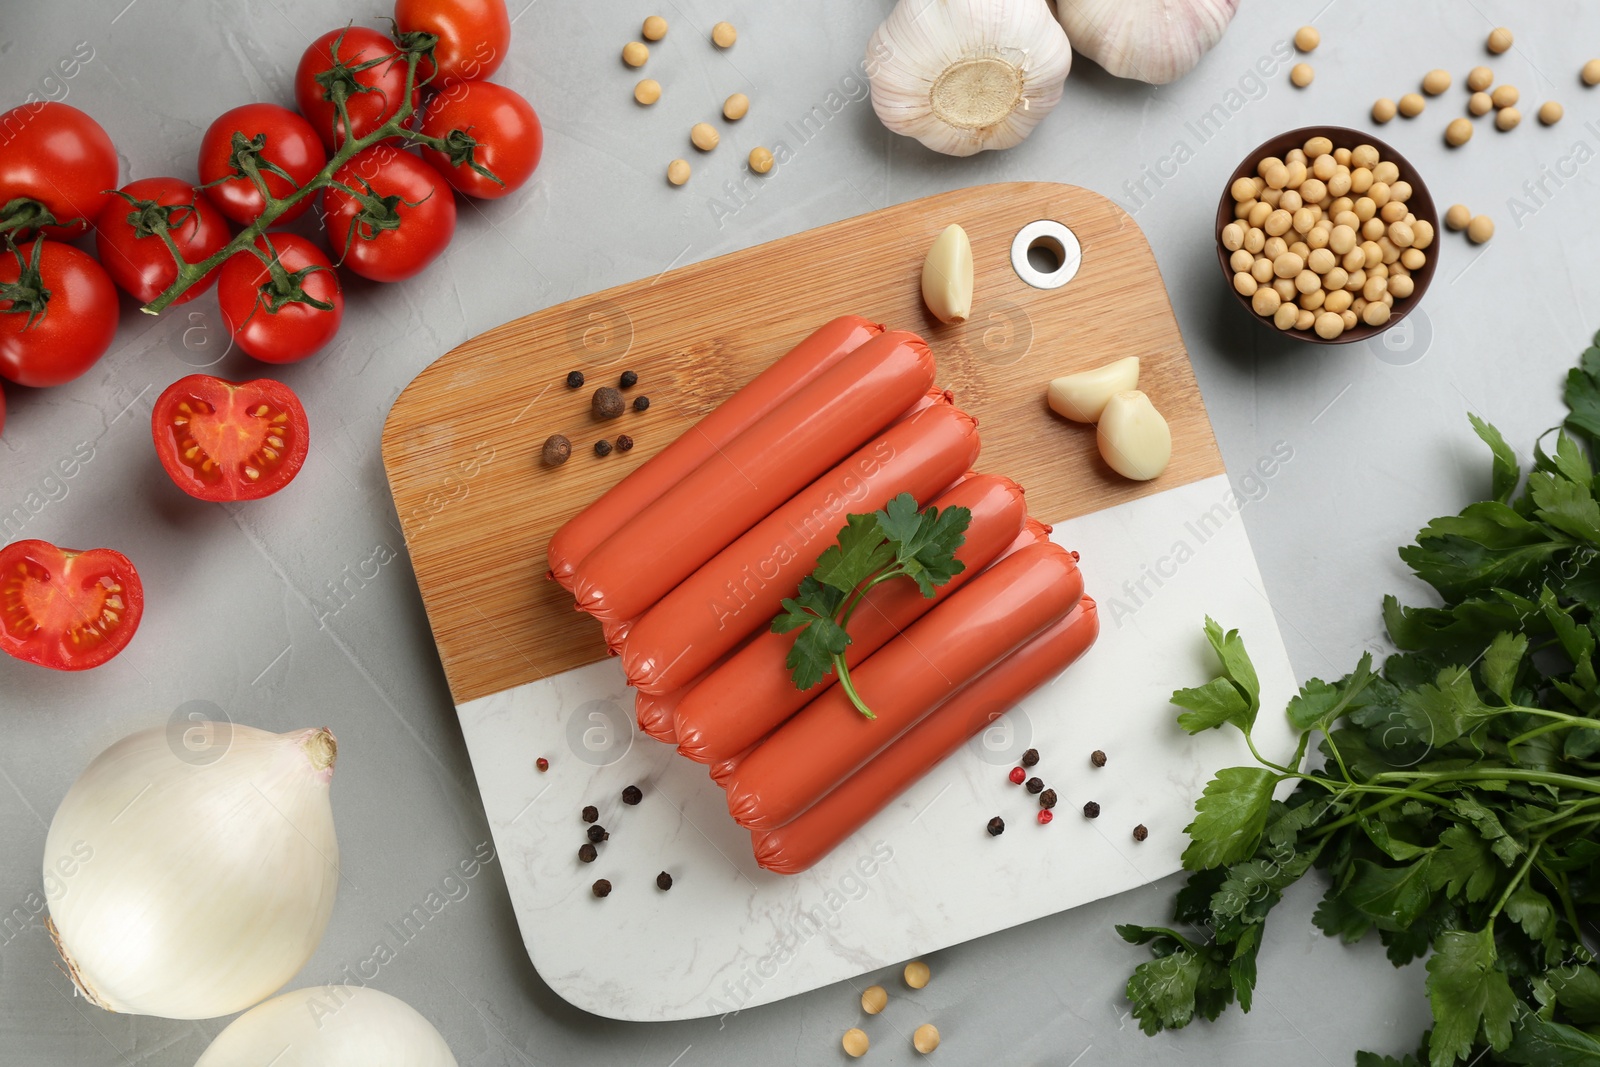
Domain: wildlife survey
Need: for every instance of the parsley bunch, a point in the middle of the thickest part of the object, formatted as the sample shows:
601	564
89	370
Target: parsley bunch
1456	809
896	541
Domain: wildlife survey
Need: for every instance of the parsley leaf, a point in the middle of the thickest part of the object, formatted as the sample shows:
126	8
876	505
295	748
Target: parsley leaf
897	541
1469	996
1229	817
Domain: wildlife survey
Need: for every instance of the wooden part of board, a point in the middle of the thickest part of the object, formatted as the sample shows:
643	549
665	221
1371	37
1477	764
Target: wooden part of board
462	443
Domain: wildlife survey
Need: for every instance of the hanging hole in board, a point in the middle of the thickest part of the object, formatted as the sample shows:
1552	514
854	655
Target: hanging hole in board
1046	254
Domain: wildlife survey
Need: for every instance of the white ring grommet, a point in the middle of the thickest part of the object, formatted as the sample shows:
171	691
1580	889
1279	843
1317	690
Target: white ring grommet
1057	242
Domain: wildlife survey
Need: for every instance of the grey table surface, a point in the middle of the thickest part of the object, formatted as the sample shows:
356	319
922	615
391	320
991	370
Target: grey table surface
245	613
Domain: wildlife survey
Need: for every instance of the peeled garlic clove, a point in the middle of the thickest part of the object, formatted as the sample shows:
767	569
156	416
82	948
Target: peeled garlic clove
1155	41
194	879
330	1026
1082	397
962	76
1133	437
947	276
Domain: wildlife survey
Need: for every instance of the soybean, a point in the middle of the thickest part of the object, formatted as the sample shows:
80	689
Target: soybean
1458	133
1435	82
1301	74
1499	40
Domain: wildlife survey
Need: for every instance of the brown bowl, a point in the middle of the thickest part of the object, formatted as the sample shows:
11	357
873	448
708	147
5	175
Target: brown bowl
1421	205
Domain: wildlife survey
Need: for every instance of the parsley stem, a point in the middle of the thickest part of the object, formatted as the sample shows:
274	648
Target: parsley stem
1268	763
1558	879
1565	722
849	687
1516	879
1507	774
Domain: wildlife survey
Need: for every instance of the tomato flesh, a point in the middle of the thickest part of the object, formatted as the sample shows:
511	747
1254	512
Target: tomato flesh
223	440
65	609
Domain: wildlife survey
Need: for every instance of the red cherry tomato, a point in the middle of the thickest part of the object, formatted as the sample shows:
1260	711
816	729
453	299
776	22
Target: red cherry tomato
72	306
408	218
371	97
230	440
55	158
507	135
473	35
287	141
137	258
264	323
66	609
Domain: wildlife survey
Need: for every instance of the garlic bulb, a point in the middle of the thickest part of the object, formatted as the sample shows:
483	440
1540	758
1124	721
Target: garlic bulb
1155	41
962	76
330	1026
194	883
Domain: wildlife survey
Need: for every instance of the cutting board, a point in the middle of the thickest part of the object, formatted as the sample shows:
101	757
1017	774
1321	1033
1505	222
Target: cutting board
530	676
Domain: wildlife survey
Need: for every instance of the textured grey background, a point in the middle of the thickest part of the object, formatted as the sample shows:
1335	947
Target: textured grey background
242	609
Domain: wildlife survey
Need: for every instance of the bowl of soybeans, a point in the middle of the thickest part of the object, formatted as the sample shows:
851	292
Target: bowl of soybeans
1327	235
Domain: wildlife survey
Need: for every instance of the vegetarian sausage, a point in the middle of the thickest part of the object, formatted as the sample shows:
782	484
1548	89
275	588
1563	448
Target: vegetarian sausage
976	627
616	631
1033	532
752	694
655	714
584	531
747	479
739	591
795	846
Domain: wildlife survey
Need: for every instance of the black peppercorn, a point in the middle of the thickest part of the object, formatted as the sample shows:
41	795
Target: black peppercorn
632	795
602	447
556	450
663	881
1035	786
587	853
641	403
997	826
629	379
597	834
1097	758
607	403
1047	799
1140	833
1030	757
602	888
591	814
624	443
575	379
1091	810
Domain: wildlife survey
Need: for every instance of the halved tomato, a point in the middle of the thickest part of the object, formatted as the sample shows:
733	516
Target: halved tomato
65	609
223	440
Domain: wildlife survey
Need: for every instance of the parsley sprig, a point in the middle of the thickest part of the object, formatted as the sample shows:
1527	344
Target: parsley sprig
897	541
1456	807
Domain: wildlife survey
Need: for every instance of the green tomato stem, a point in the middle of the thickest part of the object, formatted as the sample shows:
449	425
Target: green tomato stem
396	127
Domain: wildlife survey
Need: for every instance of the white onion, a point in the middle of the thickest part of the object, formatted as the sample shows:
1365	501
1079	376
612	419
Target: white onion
194	884
330	1026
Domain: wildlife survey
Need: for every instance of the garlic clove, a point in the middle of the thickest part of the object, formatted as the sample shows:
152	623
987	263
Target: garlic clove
1081	397
963	76
1154	41
1133	437
330	1026
947	276
194	881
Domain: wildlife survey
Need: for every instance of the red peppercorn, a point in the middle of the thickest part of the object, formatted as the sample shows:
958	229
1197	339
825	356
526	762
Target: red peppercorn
1017	775
542	763
1045	815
